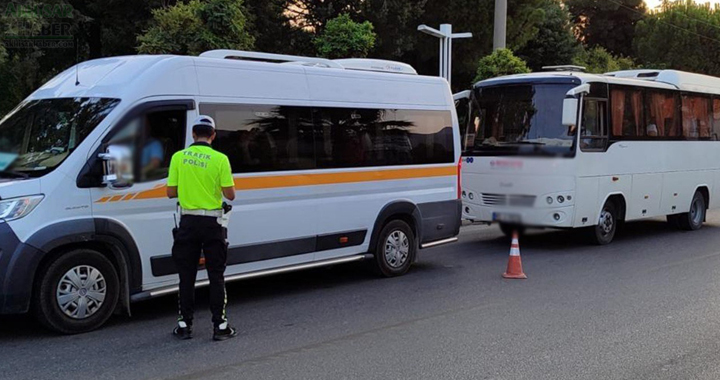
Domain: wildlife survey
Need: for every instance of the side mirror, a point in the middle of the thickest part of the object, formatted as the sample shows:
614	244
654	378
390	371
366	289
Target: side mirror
570	111
118	167
571	104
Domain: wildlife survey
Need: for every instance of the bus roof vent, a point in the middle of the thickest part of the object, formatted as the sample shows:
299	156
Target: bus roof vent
690	81
379	65
576	68
648	74
348	64
269	57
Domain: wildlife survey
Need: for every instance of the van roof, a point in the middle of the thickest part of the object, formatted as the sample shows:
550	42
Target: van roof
139	76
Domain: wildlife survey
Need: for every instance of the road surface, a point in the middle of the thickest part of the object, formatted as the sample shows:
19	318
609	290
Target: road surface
645	307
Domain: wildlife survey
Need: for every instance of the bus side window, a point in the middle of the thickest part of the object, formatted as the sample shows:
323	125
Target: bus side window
715	120
593	136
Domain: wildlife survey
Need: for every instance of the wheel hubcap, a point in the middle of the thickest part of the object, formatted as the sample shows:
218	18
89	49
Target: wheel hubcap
397	249
81	292
606	223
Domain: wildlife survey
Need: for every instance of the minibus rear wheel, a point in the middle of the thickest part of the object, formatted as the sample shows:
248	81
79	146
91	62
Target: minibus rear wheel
396	249
77	292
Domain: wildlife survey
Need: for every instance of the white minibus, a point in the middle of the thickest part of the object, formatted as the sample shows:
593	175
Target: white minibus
334	161
567	149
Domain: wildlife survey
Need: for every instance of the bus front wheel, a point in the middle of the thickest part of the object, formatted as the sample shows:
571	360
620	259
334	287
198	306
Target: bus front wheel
604	232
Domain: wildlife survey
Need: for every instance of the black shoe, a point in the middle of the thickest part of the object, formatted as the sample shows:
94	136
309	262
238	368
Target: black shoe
227	333
183	333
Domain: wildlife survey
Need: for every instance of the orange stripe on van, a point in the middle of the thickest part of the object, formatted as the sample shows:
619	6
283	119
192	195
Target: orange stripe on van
313	179
270	182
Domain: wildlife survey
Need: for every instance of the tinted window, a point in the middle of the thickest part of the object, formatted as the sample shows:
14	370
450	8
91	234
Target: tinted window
695	117
258	138
593	134
716	120
349	137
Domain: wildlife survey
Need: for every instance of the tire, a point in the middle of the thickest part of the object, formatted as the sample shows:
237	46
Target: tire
65	299
604	232
693	219
396	249
508	229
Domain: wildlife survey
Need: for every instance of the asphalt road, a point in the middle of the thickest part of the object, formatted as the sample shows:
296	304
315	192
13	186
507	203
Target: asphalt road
645	307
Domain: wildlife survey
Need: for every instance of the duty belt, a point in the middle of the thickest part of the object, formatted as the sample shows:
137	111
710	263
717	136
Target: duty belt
213	213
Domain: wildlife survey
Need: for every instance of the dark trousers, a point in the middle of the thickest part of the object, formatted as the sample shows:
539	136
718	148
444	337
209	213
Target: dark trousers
201	234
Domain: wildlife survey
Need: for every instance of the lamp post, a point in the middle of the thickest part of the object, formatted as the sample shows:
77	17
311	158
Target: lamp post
500	27
446	36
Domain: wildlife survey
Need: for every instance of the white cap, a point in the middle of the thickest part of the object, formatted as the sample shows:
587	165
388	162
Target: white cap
204	120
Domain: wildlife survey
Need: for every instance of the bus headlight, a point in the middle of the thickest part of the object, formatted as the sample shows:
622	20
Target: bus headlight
16	208
549	200
560	199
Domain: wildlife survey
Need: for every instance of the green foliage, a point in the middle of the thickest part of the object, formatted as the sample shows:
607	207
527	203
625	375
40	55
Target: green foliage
196	26
554	43
598	60
684	36
500	62
343	37
610	24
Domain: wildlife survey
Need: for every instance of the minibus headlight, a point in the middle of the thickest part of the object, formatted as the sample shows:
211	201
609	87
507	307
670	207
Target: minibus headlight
549	200
16	208
560	199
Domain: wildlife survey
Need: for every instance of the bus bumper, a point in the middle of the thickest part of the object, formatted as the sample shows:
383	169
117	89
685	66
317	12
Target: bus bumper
18	262
559	217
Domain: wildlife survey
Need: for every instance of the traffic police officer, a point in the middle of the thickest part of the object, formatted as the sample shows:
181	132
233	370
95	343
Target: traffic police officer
200	177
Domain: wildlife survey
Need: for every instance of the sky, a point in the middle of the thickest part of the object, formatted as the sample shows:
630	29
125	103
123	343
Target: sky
654	3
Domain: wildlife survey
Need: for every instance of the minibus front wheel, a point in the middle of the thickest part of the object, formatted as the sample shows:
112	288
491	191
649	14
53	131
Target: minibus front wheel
396	249
77	292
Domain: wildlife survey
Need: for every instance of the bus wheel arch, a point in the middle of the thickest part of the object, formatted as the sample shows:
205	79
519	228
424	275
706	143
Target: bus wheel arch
402	220
610	216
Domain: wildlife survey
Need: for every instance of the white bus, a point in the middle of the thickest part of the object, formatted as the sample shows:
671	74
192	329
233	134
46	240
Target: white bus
647	146
334	162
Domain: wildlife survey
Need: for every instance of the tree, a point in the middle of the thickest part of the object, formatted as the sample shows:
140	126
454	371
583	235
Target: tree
271	25
343	37
683	36
500	62
554	43
196	26
598	60
607	23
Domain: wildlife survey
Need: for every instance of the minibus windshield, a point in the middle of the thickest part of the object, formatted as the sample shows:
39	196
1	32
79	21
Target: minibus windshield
519	119
39	134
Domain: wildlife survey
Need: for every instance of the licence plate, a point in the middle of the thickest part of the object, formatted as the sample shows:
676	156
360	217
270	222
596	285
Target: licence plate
506	217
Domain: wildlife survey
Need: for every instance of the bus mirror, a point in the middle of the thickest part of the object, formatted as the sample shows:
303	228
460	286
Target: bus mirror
118	167
570	111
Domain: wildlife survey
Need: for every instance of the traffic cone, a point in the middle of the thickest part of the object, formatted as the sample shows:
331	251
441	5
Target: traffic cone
514	268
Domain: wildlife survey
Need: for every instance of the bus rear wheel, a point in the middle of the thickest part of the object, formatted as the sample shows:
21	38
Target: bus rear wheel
693	219
604	232
77	293
395	250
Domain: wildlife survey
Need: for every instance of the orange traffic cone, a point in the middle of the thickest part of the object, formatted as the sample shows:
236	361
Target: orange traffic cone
514	268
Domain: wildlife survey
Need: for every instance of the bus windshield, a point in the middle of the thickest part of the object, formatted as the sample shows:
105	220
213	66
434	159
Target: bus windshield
39	134
519	119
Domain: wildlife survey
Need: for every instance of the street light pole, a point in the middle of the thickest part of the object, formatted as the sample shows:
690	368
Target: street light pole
446	36
500	28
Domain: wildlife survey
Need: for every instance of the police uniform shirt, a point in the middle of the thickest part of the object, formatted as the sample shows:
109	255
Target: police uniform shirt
199	172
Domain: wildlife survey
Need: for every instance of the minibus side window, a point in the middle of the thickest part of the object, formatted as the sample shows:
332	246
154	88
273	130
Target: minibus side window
263	138
593	136
695	117
362	137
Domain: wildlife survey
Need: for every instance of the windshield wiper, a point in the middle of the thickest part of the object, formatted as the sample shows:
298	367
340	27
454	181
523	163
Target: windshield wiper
11	174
